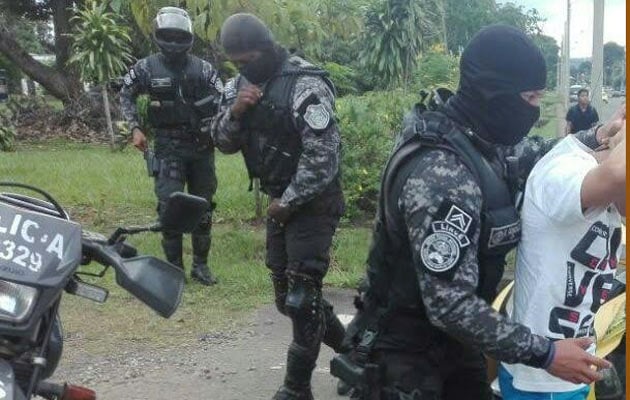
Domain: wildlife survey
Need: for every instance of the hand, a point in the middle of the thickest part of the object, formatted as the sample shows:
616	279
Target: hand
279	212
139	140
573	364
248	96
612	126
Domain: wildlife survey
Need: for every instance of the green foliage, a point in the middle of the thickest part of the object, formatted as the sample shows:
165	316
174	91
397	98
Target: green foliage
344	78
549	47
7	137
392	38
437	69
368	125
101	46
465	17
104	190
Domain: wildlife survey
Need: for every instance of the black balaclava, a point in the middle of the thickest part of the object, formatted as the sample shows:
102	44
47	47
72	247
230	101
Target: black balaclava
498	64
242	33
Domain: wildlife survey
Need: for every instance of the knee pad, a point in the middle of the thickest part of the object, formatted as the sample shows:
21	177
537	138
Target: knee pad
304	297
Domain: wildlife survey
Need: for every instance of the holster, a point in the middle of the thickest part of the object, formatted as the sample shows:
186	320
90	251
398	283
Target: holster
153	164
356	368
366	378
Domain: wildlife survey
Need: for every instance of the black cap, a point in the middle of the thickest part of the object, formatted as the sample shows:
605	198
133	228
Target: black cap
243	32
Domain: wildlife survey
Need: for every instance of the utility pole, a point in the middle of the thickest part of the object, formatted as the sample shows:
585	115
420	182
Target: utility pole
597	72
566	75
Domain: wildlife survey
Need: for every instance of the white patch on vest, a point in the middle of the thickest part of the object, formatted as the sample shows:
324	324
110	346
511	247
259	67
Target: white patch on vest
459	219
317	117
132	74
229	91
440	252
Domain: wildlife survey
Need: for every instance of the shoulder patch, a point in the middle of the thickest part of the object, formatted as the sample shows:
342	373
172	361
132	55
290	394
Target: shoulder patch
317	117
441	250
229	90
130	77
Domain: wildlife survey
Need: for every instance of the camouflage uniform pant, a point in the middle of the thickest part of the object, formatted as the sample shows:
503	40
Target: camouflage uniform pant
196	172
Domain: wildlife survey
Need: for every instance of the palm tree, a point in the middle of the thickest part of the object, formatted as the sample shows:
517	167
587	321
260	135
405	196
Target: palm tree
101	50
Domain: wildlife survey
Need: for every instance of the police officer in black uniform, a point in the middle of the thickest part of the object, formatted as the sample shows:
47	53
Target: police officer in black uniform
184	155
279	113
445	224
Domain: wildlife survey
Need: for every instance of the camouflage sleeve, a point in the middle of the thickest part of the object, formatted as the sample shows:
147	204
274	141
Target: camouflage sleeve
441	203
313	105
226	131
135	82
211	76
529	150
588	138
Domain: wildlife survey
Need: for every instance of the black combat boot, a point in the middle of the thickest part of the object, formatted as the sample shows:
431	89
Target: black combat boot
297	382
200	270
172	246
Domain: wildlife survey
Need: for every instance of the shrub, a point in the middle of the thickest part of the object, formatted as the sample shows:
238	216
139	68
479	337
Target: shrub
368	125
7	138
436	68
344	78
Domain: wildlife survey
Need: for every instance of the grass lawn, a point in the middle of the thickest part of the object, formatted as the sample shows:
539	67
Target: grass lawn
103	190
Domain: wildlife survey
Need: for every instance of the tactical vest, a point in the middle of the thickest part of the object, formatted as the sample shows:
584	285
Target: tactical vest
274	142
173	92
393	284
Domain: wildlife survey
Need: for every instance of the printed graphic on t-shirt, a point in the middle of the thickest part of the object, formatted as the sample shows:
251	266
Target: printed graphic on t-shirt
589	269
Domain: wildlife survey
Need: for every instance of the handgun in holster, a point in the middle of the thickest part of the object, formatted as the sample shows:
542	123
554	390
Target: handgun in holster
357	371
153	164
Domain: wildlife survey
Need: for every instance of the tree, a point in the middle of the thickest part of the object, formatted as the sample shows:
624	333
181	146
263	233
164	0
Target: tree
464	18
391	39
614	54
549	48
61	80
101	50
528	21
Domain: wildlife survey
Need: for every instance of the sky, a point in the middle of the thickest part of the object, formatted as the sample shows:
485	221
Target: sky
555	12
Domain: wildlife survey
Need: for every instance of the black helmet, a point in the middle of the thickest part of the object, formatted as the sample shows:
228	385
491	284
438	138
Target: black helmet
172	32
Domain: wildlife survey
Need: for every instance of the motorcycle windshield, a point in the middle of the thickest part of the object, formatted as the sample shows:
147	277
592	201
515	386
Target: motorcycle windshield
37	249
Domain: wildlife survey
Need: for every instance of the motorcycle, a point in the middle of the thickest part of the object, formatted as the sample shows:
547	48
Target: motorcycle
610	331
41	252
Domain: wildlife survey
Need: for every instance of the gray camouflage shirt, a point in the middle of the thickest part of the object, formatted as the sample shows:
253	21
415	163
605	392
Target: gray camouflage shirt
318	164
439	178
137	81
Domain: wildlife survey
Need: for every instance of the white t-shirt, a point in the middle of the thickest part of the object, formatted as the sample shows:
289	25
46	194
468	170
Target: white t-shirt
566	259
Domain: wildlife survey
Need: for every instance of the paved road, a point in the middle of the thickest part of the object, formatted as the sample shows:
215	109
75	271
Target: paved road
608	109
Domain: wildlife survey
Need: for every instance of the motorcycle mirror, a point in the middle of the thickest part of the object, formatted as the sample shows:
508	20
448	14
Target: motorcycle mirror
183	212
155	282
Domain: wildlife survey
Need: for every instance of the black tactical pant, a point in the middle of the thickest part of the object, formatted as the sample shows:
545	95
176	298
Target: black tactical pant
442	372
187	167
298	257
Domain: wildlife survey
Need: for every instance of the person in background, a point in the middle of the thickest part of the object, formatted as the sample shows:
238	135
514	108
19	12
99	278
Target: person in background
581	116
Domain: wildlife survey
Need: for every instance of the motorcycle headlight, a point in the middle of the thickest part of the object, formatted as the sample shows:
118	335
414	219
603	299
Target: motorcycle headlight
16	301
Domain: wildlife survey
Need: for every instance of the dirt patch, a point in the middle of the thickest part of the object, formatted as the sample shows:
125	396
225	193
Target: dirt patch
243	363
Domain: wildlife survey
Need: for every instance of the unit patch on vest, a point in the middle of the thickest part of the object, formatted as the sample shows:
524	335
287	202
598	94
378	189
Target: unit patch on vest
229	91
157	83
443	248
502	235
317	117
130	77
